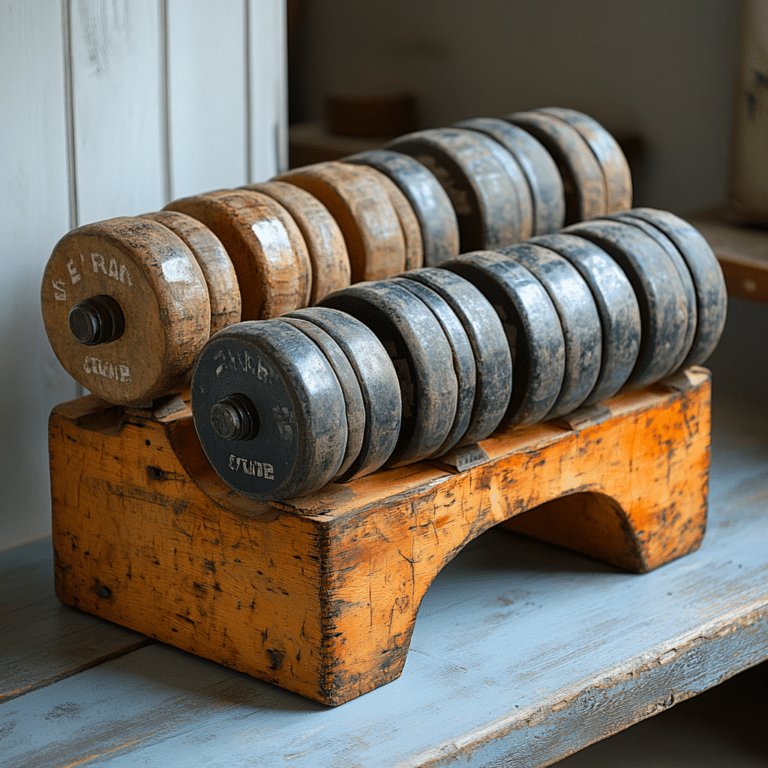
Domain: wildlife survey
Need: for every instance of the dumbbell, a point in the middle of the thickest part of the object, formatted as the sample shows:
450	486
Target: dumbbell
284	406
128	303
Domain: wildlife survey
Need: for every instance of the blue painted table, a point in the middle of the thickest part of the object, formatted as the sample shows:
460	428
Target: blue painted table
521	655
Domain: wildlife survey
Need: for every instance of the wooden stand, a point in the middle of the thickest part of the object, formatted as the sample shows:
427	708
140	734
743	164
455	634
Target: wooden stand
319	595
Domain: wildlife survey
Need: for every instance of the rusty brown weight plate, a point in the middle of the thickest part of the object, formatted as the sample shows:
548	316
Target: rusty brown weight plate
422	358
269	410
268	252
378	383
220	277
354	406
364	212
431	204
613	163
541	174
468	166
126	309
327	251
414	244
582	176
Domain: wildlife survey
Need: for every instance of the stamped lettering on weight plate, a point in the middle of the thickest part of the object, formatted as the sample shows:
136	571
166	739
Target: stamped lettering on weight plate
97	367
111	268
242	361
251	467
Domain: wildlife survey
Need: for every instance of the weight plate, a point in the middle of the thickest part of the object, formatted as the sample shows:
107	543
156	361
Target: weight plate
685	276
659	291
581	173
462	357
378	383
126	309
493	363
580	323
220	277
266	247
613	163
421	355
532	328
364	213
467	164
708	281
325	243
414	245
269	410
345	373
617	308
543	180
431	204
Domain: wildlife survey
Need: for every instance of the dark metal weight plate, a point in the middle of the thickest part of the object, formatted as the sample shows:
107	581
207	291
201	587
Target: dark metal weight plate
617	308
353	396
462	357
580	171
422	358
269	410
532	327
613	163
541	174
685	276
430	202
579	320
493	362
708	281
378	382
659	291
481	191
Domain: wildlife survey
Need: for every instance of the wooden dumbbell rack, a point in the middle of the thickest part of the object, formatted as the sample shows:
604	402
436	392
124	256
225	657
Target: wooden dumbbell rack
319	595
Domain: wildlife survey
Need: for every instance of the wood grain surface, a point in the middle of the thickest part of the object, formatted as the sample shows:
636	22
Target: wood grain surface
521	654
320	594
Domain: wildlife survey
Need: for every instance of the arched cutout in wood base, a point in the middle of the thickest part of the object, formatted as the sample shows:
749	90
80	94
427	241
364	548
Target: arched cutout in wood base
319	595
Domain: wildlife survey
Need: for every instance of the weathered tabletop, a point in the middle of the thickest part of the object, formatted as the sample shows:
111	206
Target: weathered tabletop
521	655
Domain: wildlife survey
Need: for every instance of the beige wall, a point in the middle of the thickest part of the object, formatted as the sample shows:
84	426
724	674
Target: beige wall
663	68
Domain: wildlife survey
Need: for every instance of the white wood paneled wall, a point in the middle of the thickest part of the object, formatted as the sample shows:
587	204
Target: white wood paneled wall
112	108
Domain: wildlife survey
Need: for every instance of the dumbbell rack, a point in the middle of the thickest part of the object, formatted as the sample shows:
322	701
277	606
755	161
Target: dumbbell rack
319	595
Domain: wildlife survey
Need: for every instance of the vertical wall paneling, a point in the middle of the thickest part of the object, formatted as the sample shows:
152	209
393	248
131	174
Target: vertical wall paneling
34	201
206	95
266	88
117	104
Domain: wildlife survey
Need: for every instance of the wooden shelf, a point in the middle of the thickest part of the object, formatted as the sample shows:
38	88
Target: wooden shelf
521	654
742	251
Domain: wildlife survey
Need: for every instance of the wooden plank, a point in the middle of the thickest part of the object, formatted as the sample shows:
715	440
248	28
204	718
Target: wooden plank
206	96
521	654
117	96
34	201
741	250
42	640
267	78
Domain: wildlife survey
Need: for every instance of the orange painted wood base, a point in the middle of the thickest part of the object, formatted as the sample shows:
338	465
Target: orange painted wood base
319	595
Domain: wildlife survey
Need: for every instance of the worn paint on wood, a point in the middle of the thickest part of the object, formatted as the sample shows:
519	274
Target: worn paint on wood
521	654
319	595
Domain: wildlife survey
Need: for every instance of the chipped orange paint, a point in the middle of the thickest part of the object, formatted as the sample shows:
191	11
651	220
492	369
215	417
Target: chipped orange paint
319	595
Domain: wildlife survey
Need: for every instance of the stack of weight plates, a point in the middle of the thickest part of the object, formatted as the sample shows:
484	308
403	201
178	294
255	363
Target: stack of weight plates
492	339
369	340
